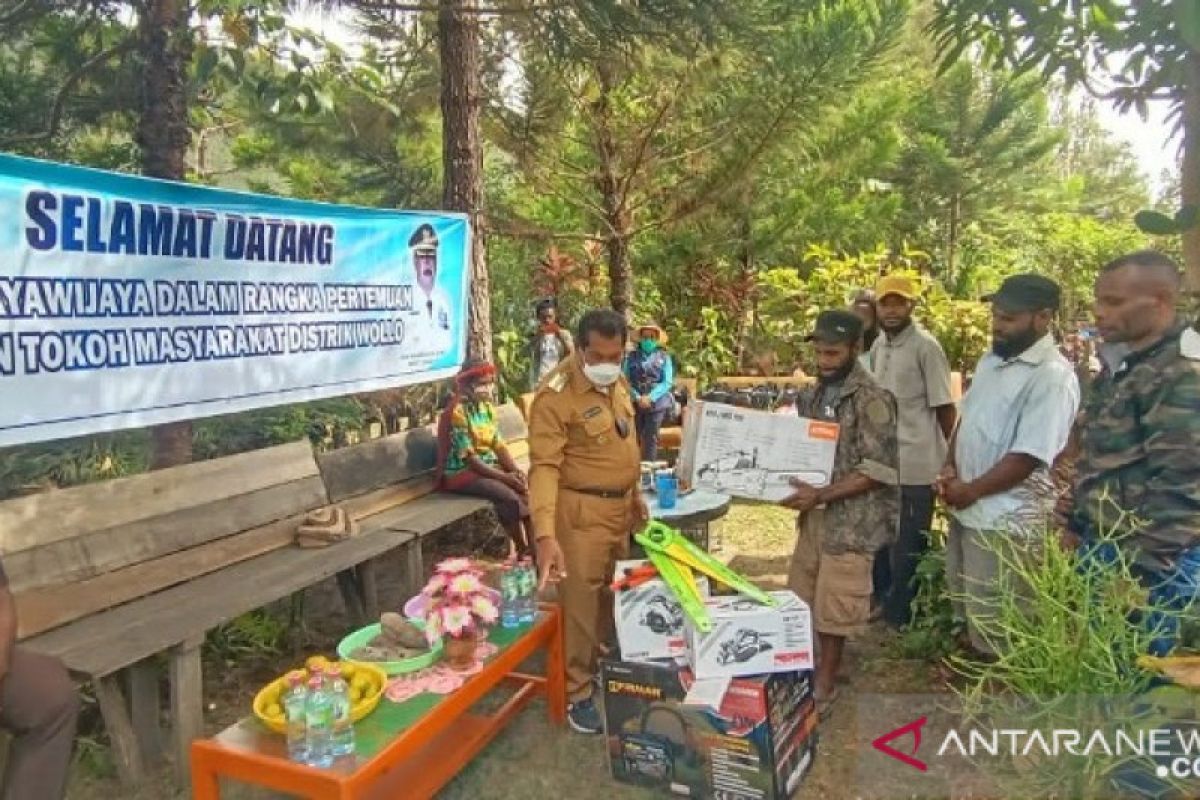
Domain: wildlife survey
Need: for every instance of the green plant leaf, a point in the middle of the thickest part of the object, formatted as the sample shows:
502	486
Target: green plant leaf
1155	223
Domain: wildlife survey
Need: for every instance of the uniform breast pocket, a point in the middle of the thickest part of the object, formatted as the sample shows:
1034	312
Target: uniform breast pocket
598	428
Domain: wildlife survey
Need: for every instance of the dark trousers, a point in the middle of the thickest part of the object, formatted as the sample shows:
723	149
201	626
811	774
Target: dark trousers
39	707
649	421
896	565
511	506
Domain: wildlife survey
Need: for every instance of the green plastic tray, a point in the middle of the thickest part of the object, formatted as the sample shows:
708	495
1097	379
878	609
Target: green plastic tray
363	636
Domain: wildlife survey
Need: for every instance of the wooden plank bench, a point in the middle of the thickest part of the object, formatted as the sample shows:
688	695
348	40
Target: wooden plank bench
387	486
107	576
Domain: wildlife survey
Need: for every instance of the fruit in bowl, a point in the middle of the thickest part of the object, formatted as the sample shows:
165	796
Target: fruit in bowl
365	681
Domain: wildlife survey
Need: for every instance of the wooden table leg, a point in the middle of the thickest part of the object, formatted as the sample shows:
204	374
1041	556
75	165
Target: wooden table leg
187	702
205	783
556	672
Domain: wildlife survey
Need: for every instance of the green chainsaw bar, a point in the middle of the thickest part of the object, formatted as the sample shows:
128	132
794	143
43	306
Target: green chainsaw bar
667	549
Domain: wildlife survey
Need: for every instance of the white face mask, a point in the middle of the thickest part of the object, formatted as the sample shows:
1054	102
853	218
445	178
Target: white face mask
602	374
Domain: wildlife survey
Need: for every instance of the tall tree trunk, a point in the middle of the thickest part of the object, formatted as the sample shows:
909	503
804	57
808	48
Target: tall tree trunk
612	199
952	243
462	152
163	134
747	310
1190	177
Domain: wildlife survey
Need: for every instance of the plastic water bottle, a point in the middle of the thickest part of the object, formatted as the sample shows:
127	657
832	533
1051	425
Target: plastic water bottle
318	717
528	607
510	597
342	736
295	701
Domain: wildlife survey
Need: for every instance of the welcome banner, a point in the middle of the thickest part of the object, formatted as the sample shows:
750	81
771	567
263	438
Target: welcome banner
128	301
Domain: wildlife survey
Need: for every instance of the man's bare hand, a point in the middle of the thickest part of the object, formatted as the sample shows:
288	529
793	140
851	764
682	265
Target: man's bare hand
959	495
552	564
805	498
641	513
1068	540
644	402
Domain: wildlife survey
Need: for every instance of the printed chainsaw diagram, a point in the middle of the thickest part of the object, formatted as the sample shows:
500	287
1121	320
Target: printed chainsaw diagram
739	473
744	645
663	616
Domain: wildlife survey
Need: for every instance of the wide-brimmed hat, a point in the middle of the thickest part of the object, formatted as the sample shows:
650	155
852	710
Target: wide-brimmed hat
659	333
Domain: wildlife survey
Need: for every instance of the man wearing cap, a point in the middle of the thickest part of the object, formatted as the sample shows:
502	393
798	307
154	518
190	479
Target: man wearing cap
910	363
1138	448
651	378
843	525
585	493
549	344
1016	418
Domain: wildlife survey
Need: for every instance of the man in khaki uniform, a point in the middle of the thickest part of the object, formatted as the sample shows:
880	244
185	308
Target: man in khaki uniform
584	493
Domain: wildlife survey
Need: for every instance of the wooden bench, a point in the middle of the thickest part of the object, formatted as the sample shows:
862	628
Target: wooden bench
387	485
107	576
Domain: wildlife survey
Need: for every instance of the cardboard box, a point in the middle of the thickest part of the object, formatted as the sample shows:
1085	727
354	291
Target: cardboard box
649	619
752	639
754	454
757	746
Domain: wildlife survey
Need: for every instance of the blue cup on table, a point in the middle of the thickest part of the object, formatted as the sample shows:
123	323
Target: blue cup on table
667	487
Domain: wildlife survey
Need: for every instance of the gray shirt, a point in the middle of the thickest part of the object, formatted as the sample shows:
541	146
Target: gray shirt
1023	405
913	367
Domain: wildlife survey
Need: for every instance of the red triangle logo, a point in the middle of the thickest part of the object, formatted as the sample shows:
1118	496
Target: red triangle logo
914	727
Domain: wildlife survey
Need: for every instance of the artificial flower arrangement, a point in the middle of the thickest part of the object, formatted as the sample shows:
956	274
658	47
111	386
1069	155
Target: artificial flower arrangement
458	603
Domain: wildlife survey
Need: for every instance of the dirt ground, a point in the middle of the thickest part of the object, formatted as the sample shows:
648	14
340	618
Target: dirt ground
532	759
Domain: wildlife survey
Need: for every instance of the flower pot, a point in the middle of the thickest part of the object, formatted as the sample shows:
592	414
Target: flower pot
460	653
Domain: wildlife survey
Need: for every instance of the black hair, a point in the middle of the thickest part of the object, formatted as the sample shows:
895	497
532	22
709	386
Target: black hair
1160	265
545	302
603	321
425	231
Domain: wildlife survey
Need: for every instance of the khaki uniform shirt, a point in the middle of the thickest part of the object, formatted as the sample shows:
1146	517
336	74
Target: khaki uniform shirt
575	441
913	367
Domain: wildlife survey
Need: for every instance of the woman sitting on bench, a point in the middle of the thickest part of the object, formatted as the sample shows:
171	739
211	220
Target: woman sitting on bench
472	457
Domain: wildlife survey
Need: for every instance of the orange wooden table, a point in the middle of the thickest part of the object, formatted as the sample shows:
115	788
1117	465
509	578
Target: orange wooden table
408	749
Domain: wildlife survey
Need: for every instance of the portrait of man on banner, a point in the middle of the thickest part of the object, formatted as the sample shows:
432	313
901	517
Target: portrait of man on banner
430	327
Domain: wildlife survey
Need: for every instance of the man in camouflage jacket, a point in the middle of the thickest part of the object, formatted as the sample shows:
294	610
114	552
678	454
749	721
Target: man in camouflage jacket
844	524
1139	436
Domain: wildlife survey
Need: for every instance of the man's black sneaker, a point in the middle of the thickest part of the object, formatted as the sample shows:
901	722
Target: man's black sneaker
583	717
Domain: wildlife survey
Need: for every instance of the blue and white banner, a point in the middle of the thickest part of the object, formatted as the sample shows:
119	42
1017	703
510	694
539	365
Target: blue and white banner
127	301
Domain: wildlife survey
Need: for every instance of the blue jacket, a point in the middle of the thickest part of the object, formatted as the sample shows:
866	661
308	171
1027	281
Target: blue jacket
653	375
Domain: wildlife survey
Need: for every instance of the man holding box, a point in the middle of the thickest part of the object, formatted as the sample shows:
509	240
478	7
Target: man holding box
843	525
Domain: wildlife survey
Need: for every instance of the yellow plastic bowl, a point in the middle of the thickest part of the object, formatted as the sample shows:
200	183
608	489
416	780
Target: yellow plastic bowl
269	695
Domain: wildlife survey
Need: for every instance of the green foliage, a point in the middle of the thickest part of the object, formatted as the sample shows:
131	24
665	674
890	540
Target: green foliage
317	421
71	462
1159	224
1142	46
252	635
1065	634
932	636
